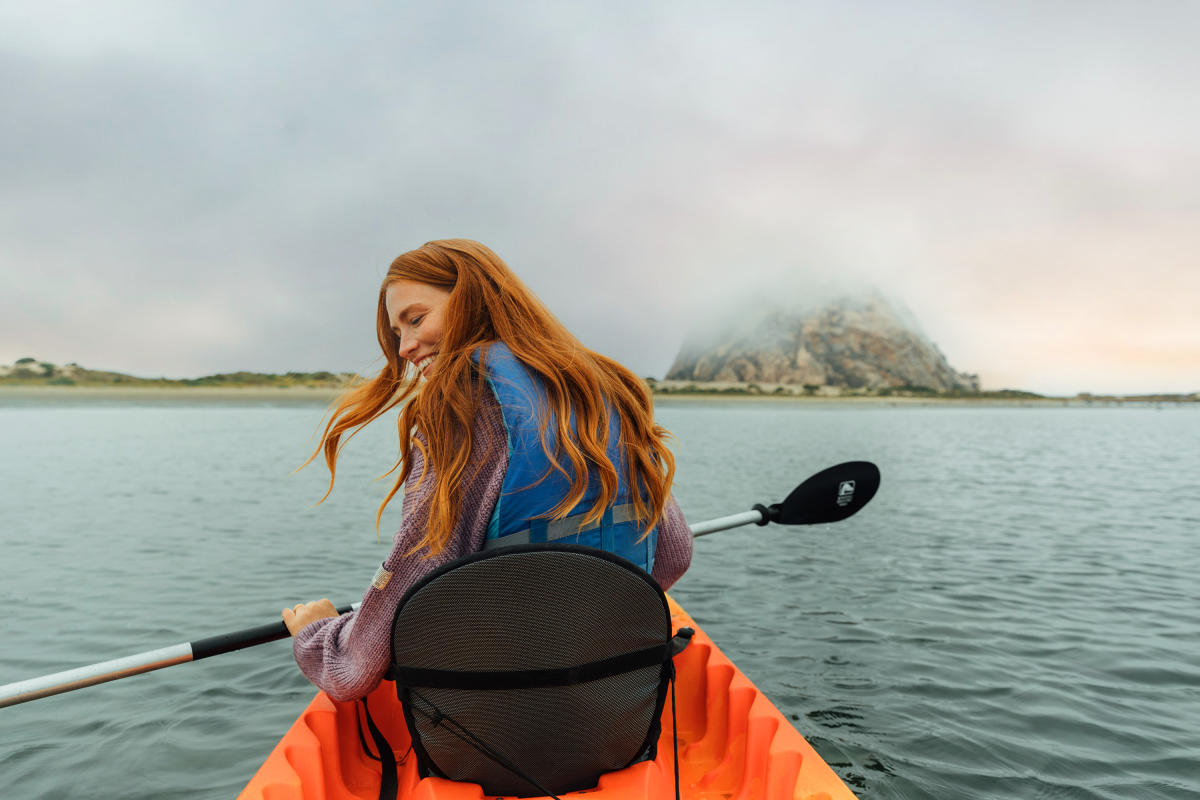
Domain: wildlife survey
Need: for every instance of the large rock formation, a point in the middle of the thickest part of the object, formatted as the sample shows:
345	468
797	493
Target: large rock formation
857	343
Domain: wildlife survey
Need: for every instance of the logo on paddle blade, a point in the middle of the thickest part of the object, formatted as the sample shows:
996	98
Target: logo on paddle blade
845	493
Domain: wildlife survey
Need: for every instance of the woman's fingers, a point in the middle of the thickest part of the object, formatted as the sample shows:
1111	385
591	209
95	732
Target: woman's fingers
302	615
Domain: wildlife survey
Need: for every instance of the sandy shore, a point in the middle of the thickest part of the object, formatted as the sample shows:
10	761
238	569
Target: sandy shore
219	395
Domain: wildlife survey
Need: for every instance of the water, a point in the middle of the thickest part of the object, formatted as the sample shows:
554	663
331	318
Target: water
1013	616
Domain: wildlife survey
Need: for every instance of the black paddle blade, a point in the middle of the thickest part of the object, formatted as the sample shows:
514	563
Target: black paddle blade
830	495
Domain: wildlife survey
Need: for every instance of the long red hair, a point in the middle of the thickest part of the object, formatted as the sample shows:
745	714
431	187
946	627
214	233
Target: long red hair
489	303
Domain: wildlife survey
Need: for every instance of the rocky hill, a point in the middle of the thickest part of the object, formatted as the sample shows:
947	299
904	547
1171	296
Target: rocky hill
856	343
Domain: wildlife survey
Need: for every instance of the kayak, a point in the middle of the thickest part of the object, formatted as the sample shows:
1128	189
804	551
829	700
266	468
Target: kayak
734	744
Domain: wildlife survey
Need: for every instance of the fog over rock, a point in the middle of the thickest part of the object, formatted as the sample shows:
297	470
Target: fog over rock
856	342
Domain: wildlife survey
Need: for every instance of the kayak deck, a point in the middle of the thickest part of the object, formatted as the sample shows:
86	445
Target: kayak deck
734	744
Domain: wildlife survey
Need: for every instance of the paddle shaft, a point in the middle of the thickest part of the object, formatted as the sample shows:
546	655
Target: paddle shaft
22	691
754	517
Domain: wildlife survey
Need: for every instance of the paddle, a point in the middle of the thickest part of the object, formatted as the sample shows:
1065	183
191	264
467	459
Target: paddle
830	495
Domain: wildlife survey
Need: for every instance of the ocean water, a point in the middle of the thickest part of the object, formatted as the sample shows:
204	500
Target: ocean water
1015	614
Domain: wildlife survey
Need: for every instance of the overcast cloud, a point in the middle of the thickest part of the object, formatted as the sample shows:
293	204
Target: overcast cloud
199	188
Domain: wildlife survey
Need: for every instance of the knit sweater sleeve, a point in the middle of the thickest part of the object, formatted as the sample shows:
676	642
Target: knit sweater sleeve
348	655
673	554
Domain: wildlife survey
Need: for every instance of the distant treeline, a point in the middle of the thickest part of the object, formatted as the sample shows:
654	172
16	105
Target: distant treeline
30	371
906	390
812	390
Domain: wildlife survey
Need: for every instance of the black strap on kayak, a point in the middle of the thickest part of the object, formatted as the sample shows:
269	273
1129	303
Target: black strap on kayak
360	719
388	780
675	729
679	643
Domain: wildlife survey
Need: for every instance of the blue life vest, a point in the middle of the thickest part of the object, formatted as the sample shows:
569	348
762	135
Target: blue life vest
523	498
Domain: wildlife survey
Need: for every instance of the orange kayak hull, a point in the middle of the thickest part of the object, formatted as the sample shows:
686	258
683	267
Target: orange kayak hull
734	744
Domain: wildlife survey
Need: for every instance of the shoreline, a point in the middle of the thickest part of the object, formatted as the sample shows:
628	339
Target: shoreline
30	394
673	398
218	395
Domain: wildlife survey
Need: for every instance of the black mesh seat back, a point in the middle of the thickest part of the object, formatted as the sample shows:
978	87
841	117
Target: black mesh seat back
534	607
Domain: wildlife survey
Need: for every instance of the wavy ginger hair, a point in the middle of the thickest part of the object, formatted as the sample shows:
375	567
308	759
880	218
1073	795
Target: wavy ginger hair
489	303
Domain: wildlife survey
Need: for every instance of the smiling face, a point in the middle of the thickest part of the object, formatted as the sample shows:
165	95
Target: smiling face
415	311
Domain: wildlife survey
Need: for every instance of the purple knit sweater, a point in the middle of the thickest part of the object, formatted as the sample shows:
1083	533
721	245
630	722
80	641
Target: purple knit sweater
347	656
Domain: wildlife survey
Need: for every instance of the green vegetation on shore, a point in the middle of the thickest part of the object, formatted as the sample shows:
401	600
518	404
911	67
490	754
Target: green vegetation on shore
31	372
699	389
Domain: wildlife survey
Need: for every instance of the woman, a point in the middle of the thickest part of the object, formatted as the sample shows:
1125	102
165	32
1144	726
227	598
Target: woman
510	431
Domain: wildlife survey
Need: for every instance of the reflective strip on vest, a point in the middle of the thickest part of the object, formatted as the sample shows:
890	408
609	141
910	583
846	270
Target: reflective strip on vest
562	528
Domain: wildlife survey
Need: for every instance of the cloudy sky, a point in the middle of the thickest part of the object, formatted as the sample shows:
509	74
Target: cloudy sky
189	188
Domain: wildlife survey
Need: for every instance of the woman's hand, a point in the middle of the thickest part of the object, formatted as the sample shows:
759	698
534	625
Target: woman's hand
302	615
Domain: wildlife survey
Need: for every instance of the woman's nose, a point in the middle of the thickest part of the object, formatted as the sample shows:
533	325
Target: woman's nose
406	347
